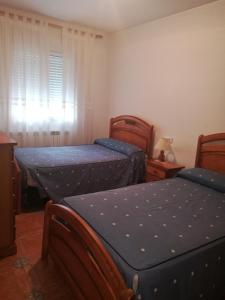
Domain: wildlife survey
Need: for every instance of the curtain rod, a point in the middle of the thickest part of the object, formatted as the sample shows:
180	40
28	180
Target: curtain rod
72	27
11	12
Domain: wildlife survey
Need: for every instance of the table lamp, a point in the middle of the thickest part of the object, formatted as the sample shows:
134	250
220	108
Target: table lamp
163	144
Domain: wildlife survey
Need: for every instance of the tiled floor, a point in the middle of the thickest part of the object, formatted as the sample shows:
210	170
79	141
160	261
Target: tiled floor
25	276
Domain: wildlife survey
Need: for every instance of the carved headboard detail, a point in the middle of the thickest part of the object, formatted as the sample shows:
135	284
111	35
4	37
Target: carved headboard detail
132	130
211	152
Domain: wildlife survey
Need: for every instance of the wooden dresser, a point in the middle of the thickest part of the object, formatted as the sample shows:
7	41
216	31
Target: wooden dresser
7	196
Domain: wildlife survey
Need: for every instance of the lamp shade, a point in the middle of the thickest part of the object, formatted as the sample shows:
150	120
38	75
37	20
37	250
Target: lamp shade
164	144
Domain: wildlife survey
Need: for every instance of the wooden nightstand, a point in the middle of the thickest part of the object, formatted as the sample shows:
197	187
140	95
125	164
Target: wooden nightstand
158	170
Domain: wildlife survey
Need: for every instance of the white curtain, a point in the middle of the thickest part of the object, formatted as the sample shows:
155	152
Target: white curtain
45	75
78	53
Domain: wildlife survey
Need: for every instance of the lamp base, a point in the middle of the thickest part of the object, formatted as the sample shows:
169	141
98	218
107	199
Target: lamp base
161	156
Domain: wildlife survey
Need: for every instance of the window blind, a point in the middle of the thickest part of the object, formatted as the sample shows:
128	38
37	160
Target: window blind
55	83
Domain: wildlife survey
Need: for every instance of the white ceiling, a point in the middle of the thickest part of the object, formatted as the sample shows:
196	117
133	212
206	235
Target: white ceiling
108	15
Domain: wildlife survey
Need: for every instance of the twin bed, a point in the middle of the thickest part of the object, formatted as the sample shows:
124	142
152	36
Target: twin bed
161	240
58	172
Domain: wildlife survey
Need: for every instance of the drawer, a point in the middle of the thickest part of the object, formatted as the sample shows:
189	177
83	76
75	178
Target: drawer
16	184
156	172
150	177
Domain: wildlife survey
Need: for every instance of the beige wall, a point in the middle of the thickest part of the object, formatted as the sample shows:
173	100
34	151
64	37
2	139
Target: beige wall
171	72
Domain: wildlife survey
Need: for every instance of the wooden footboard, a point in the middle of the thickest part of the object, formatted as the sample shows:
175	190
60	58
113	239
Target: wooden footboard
81	257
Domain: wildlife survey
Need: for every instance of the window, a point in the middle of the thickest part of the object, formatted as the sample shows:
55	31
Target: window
31	103
55	78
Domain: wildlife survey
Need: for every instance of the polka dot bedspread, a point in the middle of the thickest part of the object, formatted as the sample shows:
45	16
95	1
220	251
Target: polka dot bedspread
72	170
167	237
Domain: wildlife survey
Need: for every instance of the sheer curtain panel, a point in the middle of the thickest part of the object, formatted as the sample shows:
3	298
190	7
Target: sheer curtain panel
78	53
45	82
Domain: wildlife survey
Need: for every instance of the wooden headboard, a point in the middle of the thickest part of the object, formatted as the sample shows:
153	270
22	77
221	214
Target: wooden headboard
132	130
211	152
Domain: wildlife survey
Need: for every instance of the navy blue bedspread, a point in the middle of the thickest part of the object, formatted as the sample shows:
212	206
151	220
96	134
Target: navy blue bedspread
74	170
167	237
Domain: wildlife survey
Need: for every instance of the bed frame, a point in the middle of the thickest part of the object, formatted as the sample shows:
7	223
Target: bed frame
79	253
125	128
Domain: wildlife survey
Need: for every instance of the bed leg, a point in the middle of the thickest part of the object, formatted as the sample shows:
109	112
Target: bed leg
127	295
45	239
